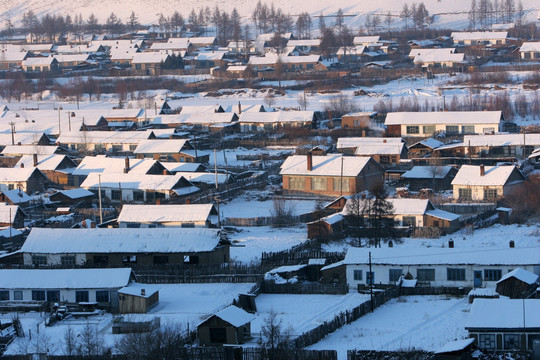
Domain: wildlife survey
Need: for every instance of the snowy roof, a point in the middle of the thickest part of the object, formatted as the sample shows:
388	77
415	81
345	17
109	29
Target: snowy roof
45	162
202	40
12	56
317	261
123	54
493	175
522	275
503	314
182	166
478	35
166	213
16	174
7	213
160	146
304	42
443	256
103	137
502	140
441	214
29	150
132	181
427	172
330	219
351	50
28	138
76	193
172	44
379	149
530	46
17	196
453	346
38	61
198	109
234	316
429	142
438	56
400	206
157	240
204	177
329	165
64	278
214	55
353	142
277	117
72	57
422	52
202	118
103	164
137	289
149	58
366	39
443	117
271	59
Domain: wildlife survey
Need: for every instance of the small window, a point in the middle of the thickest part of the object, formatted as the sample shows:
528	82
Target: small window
4	295
511	342
116	195
413	129
67	260
455	274
132	147
39	260
344	182
452	129
102	296
492	275
467	129
465	194
138	195
487	342
429	129
425	274
81	296
490	194
133	225
318	183
38	295
409	221
161	259
188	225
297	183
394	275
357	274
17	295
129	259
191	259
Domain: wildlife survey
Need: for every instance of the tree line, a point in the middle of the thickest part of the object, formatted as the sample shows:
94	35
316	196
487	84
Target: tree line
484	13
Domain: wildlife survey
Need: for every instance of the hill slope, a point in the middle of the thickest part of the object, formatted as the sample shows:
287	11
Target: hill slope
148	10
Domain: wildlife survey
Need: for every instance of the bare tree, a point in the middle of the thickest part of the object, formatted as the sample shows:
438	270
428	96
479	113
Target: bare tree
282	212
91	341
71	343
340	105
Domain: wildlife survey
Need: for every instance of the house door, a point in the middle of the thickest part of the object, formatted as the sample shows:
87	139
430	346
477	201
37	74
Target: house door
477	278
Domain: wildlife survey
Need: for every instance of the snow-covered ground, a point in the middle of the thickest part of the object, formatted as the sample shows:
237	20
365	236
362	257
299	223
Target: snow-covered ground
250	208
250	242
419	322
179	304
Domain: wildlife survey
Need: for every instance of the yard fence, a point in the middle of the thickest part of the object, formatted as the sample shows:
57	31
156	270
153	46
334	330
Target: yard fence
345	317
269	287
295	257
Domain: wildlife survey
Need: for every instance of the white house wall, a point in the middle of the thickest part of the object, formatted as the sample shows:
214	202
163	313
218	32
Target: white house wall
66	295
478	128
55	259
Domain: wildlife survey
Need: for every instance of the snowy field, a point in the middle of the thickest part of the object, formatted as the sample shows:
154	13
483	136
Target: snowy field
419	322
179	304
249	208
301	313
250	242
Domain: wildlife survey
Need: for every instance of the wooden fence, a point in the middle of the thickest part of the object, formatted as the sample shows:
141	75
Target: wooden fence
441	290
295	257
345	317
269	287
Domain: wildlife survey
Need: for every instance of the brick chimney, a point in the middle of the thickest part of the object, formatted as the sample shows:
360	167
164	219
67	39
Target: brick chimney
309	158
188	201
239	108
34	157
363	133
158	201
165	172
143	292
482	170
22	165
126	165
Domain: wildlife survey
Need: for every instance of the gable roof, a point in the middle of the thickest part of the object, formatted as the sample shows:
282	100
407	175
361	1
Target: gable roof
353	142
6	211
427	172
443	117
378	149
479	35
161	146
277	117
103	137
45	162
29	150
522	275
157	240
493	175
64	278
104	164
166	213
17	196
149	58
234	316
75	193
17	174
530	46
500	314
502	140
430	143
329	165
135	181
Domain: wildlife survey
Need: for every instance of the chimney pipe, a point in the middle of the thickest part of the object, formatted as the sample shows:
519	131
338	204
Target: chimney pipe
239	108
165	171
309	161
451	244
143	292
22	165
188	201
512	244
126	165
482	170
34	157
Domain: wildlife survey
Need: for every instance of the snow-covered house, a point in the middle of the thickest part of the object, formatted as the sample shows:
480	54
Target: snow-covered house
210	59
98	141
23	138
11	215
117	247
305	46
40	64
149	62
175	150
486	183
57	168
263	121
64	285
386	151
348	145
530	51
15	197
72	197
518	145
357	120
330	175
437	178
28	180
503	325
424	147
71	60
472	38
518	284
122	187
12	59
437	58
425	124
366	40
21	150
450	267
290	63
208	121
150	216
231	325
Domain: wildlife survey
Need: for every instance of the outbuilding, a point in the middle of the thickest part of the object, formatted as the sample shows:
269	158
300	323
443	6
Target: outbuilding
231	325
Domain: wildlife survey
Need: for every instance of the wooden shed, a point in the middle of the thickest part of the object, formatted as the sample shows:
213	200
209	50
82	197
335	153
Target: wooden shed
137	298
231	325
517	284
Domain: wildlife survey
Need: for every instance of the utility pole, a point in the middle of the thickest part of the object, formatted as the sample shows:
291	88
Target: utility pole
69	120
59	131
215	167
12	124
99	197
370	277
341	179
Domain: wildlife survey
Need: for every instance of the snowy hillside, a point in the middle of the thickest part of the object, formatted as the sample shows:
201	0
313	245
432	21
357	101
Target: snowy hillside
451	13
